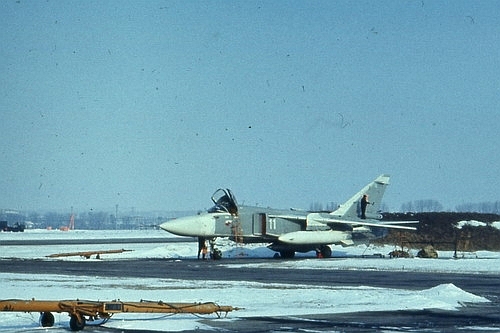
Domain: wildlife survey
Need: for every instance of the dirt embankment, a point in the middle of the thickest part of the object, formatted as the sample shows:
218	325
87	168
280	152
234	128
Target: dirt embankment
440	230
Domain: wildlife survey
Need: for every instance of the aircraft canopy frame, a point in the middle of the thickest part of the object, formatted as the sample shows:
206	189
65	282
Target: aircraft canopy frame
224	201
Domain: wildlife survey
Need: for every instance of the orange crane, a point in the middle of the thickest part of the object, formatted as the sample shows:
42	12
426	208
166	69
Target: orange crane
71	225
80	310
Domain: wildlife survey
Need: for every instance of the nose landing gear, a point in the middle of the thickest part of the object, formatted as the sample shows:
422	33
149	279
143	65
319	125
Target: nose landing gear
215	253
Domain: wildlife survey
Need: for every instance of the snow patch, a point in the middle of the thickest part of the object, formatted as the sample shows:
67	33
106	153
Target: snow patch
474	223
257	299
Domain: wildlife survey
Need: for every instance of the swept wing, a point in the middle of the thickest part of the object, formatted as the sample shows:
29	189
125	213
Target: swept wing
318	217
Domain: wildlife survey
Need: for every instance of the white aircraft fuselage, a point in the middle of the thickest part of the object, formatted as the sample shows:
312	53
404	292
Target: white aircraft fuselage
289	231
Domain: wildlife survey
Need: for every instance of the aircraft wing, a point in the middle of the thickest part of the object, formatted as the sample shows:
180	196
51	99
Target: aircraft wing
317	217
289	217
398	222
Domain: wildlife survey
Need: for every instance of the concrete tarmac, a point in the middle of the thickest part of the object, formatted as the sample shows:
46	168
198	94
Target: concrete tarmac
473	318
76	241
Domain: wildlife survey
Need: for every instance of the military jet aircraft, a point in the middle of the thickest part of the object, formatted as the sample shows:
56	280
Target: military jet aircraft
290	231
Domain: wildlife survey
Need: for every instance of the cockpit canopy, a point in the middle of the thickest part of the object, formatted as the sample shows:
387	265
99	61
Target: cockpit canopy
224	201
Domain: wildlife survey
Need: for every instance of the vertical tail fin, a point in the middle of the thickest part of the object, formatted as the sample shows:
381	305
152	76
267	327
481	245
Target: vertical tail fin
351	209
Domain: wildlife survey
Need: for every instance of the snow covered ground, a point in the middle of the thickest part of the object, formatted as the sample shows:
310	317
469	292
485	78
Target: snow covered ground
264	299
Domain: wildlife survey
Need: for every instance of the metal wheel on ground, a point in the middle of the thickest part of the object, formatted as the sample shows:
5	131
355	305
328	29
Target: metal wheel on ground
326	251
77	323
46	319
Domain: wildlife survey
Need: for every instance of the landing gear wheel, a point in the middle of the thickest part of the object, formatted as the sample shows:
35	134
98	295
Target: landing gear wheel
326	251
216	254
46	319
287	254
77	323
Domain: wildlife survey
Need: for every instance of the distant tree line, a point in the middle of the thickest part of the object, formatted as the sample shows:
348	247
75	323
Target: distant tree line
93	220
419	206
482	207
422	206
430	205
318	207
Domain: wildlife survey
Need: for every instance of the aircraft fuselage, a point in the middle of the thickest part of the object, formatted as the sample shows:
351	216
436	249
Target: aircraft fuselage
288	231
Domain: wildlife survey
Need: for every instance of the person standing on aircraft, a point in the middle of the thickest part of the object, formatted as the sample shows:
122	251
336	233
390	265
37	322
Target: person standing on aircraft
364	203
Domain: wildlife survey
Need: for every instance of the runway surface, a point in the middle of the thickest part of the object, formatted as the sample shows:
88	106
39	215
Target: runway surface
477	317
76	241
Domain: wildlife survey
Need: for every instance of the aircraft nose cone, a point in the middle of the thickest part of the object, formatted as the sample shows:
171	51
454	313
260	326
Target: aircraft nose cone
192	226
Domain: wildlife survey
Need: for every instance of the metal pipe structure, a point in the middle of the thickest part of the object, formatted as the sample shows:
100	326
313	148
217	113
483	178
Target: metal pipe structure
86	254
78	309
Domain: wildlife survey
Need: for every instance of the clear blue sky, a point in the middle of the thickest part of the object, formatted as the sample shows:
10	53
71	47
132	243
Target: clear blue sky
155	104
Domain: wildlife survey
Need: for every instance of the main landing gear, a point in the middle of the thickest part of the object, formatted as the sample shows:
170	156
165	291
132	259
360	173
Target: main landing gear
323	251
287	254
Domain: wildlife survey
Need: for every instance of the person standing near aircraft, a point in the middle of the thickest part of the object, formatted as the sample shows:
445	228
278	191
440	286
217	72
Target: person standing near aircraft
364	203
204	252
202	246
